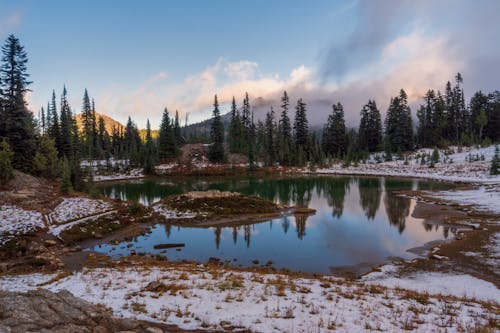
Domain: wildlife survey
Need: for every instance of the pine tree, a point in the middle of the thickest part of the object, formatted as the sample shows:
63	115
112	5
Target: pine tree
285	132
246	122
235	127
301	129
149	152
54	127
334	141
132	142
66	183
6	169
269	143
104	139
166	140
16	122
87	125
398	127
66	127
95	138
495	163
216	150
46	162
370	128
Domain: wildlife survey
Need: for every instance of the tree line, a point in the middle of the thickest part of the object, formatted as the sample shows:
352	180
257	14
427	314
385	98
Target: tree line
52	145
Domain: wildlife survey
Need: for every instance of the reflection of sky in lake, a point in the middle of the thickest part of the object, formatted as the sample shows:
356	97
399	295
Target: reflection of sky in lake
326	240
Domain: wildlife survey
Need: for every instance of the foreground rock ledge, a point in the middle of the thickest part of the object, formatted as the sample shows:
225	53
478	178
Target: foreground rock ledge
45	311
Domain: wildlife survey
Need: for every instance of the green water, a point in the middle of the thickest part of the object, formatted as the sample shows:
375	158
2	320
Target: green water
358	222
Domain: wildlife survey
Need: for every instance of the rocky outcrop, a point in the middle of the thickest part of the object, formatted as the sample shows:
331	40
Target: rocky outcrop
45	311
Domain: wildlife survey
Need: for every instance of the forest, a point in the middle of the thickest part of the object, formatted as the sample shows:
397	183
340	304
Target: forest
51	145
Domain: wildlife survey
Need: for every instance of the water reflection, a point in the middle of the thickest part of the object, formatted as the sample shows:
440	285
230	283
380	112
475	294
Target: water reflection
358	220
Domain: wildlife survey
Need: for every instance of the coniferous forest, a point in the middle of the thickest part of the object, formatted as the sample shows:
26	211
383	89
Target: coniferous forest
51	144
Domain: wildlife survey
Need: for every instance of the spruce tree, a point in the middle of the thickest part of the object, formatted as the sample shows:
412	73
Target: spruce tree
334	141
132	142
398	124
87	125
495	163
6	169
301	128
16	122
234	136
269	143
216	150
166	140
104	139
285	132
370	128
66	127
149	152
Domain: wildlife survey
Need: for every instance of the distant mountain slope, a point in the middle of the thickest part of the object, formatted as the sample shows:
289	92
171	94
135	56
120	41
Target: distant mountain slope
109	122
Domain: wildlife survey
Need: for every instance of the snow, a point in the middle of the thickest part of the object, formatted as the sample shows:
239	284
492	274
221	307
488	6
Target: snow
160	209
451	166
460	285
57	229
199	297
485	198
71	209
17	221
132	174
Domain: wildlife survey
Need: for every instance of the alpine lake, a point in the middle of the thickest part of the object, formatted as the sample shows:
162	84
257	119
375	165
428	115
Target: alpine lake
359	223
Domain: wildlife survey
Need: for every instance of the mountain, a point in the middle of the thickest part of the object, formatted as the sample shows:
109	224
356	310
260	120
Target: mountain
109	122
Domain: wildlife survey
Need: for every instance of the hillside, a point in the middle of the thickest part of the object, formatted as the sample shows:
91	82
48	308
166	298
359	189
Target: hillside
108	122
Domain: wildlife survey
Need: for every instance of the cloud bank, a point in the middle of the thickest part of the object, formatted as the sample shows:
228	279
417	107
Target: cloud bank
414	45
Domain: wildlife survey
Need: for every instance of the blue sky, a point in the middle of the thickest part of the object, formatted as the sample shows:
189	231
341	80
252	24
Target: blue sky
136	57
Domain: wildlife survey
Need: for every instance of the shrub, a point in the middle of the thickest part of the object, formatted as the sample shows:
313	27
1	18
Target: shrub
495	163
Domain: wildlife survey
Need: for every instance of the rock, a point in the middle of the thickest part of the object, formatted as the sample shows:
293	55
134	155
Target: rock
133	252
50	242
155	286
45	311
100	329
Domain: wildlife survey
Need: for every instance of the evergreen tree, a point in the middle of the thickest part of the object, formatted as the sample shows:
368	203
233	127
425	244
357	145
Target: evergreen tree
398	127
370	128
166	139
285	132
66	127
235	130
104	139
46	161
95	139
493	114
16	122
66	183
149	152
6	169
301	128
334	141
132	142
87	125
495	163
216	150
54	128
269	142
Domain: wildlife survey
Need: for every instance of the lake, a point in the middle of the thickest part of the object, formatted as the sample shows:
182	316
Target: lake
358	223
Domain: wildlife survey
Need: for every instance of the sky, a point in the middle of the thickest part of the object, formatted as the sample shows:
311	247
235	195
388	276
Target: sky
138	57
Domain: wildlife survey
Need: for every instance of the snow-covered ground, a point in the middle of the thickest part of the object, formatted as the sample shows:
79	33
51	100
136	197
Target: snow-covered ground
76	208
198	297
160	209
468	165
132	174
485	198
460	285
16	221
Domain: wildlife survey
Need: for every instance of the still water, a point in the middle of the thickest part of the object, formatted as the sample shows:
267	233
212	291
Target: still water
358	223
